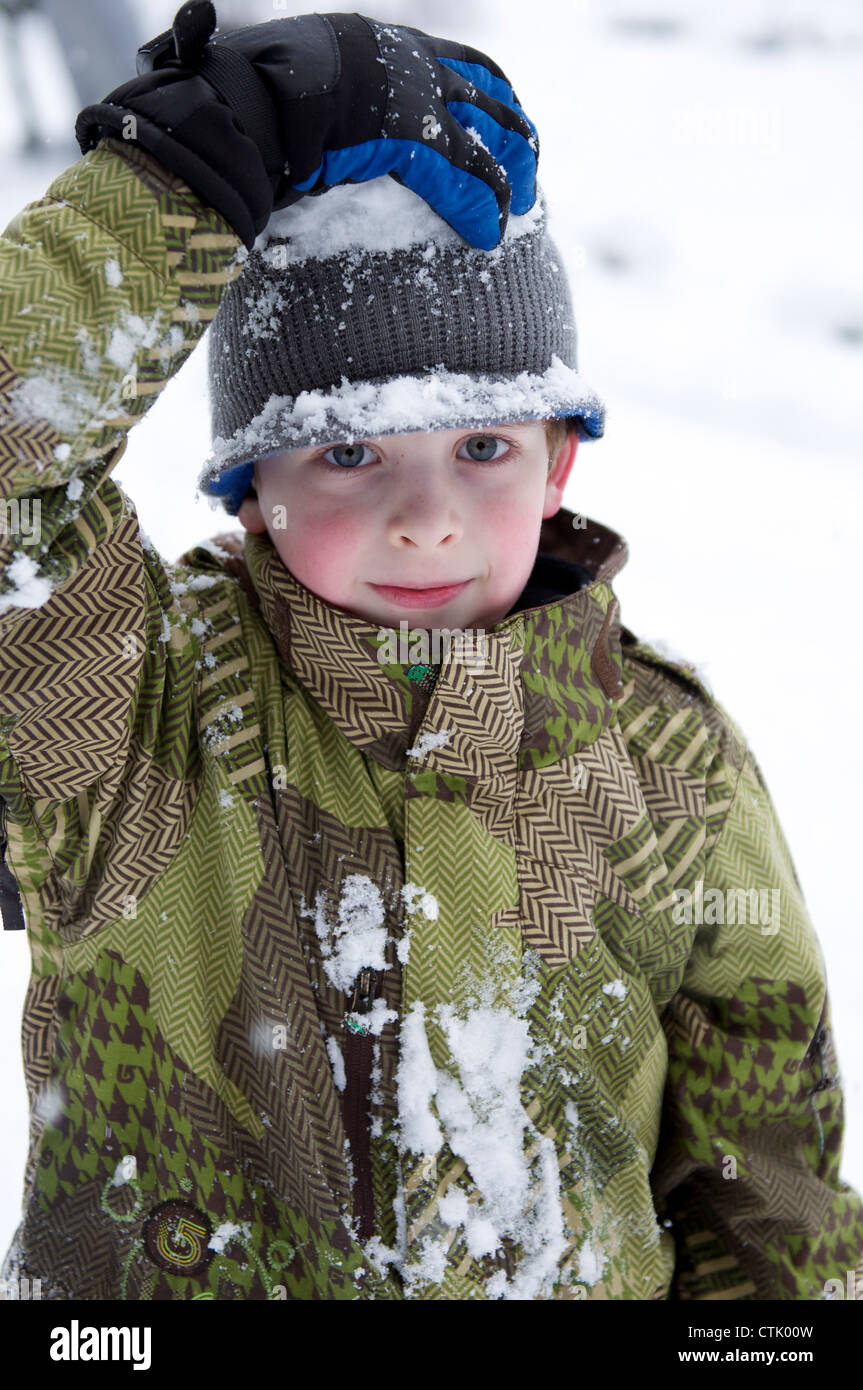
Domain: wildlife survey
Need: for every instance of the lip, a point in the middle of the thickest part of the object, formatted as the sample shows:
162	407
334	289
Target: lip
417	597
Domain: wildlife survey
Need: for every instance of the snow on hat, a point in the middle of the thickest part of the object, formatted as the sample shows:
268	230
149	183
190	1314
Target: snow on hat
360	312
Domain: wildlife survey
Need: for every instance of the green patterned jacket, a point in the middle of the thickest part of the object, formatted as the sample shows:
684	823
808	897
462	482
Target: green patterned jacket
352	979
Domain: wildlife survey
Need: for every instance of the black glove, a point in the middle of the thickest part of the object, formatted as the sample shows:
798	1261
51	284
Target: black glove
255	118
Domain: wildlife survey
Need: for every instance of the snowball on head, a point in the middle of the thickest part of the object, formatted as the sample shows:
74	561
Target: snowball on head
378	215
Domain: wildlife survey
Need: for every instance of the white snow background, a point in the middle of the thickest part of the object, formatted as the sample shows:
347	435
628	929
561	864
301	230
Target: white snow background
701	165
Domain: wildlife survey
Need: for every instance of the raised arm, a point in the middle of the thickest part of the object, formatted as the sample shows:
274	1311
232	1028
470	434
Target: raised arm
106	284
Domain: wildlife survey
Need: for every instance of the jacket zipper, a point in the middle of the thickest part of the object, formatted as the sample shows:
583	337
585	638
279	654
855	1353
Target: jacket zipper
358	1075
358	1045
422	697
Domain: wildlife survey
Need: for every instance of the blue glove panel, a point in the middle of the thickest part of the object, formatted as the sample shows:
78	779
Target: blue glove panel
510	149
493	86
462	199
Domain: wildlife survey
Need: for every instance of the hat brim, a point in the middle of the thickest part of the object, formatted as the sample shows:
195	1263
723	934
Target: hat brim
434	400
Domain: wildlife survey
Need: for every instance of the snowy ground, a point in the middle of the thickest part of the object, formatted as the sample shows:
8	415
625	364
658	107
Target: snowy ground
702	168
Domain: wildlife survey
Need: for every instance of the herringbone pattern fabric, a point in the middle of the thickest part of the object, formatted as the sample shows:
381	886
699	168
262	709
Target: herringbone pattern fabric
203	761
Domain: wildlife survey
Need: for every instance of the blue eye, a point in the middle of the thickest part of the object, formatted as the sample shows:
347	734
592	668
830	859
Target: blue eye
346	456
482	447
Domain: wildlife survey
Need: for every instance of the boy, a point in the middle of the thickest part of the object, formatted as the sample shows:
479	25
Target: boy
361	972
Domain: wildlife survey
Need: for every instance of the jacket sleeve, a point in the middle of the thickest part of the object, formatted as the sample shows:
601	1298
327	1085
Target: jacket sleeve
747	1169
106	285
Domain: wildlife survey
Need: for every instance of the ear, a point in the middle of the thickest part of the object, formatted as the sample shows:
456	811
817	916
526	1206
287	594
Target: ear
559	474
250	514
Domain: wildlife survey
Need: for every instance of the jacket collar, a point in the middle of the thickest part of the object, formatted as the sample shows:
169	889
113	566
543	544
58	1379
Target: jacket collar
545	681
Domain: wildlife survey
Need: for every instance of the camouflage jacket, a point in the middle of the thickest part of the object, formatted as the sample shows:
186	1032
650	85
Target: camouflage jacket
355	977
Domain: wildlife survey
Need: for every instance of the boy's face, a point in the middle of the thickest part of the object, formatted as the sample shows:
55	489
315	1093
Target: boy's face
368	526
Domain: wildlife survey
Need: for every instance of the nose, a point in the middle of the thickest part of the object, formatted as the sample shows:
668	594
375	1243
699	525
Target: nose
423	514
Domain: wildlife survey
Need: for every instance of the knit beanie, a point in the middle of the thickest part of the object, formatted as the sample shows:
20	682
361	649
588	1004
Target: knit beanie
360	312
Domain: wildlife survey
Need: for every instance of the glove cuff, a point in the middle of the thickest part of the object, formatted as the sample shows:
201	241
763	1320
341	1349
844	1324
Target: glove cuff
245	207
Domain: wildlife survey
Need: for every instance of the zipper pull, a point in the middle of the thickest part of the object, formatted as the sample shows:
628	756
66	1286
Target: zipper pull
361	1003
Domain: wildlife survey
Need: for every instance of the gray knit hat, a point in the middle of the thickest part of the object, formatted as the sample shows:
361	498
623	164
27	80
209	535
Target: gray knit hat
361	312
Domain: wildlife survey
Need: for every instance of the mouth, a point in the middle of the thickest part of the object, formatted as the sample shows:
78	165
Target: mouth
418	597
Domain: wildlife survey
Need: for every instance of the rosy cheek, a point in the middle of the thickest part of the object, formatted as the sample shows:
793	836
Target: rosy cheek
511	534
333	530
321	546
